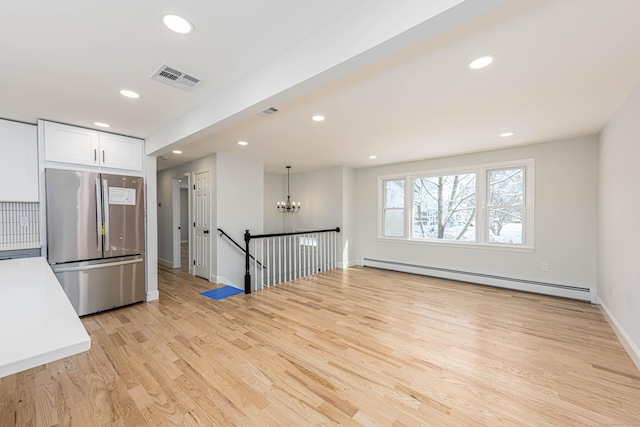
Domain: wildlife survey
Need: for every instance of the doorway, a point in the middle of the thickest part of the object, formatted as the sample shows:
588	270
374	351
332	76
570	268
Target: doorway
182	215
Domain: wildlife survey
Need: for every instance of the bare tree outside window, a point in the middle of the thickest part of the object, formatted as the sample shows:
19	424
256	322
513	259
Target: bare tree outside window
478	205
444	207
506	205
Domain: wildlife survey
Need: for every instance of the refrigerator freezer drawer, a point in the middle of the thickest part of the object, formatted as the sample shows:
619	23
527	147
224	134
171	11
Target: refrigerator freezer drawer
94	286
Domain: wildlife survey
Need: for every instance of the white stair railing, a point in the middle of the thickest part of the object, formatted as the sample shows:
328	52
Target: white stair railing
288	256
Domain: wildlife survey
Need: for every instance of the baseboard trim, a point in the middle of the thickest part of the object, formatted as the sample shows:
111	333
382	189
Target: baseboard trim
553	289
153	295
348	264
165	262
632	349
222	281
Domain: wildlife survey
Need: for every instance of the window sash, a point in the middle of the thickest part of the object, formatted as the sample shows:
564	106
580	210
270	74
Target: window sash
510	215
391	213
389	228
450	209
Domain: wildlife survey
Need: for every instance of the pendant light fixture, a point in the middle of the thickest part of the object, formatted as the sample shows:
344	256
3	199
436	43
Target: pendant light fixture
288	206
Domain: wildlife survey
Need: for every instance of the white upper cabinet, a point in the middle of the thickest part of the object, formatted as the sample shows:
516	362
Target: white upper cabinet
120	152
79	146
70	144
18	162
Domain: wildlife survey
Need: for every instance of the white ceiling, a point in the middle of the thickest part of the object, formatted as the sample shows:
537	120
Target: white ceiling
562	68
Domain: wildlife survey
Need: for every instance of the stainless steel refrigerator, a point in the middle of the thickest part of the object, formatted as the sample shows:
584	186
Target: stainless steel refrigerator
95	237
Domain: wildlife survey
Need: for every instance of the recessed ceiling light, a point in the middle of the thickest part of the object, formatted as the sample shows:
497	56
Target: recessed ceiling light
177	23
373	157
317	118
129	94
506	134
481	62
102	125
177	152
243	143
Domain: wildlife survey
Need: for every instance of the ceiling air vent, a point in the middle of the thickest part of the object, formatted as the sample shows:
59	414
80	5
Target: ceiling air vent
173	77
269	111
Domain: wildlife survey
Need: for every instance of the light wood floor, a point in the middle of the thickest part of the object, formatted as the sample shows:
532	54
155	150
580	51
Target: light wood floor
351	347
184	257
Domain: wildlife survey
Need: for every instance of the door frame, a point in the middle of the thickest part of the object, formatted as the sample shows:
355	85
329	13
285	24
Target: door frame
176	219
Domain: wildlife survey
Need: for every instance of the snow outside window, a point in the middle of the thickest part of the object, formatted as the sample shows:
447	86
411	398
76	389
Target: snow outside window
488	205
506	205
444	207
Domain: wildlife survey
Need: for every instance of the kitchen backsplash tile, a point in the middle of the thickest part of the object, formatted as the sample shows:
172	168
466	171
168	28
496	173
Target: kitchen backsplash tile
19	222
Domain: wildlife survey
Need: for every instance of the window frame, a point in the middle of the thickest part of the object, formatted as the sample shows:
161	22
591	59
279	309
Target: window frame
482	209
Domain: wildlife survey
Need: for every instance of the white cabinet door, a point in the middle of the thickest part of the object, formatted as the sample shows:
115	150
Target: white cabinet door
70	144
18	162
120	152
80	146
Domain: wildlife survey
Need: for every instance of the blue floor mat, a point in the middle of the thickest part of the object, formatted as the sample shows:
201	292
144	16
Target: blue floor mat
223	292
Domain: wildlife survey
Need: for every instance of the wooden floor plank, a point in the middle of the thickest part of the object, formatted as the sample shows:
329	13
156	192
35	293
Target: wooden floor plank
347	347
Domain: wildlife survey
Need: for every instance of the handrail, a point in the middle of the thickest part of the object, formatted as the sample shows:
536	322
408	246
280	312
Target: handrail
222	233
295	233
247	239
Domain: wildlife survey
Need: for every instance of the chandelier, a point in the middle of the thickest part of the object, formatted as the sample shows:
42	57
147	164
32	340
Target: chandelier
288	206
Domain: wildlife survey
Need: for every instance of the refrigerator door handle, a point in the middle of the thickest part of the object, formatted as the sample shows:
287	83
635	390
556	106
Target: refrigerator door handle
58	269
105	205
99	216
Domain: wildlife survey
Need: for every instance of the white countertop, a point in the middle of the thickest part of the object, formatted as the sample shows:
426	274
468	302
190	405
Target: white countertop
19	246
37	322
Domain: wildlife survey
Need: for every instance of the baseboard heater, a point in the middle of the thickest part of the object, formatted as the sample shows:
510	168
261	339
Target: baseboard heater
573	292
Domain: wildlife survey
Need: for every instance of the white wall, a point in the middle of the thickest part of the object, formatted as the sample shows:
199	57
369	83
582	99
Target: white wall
273	220
320	194
151	255
239	206
347	258
618	230
327	198
565	218
165	205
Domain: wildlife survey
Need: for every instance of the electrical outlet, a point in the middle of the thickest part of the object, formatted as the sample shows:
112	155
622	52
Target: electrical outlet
544	266
24	221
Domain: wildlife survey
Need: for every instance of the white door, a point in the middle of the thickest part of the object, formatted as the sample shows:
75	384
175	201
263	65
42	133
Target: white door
201	231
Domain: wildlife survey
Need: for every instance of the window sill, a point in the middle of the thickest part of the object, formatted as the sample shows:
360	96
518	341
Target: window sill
460	245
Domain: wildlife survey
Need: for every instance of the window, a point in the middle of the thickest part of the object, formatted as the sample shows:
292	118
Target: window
481	205
506	205
393	210
444	207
